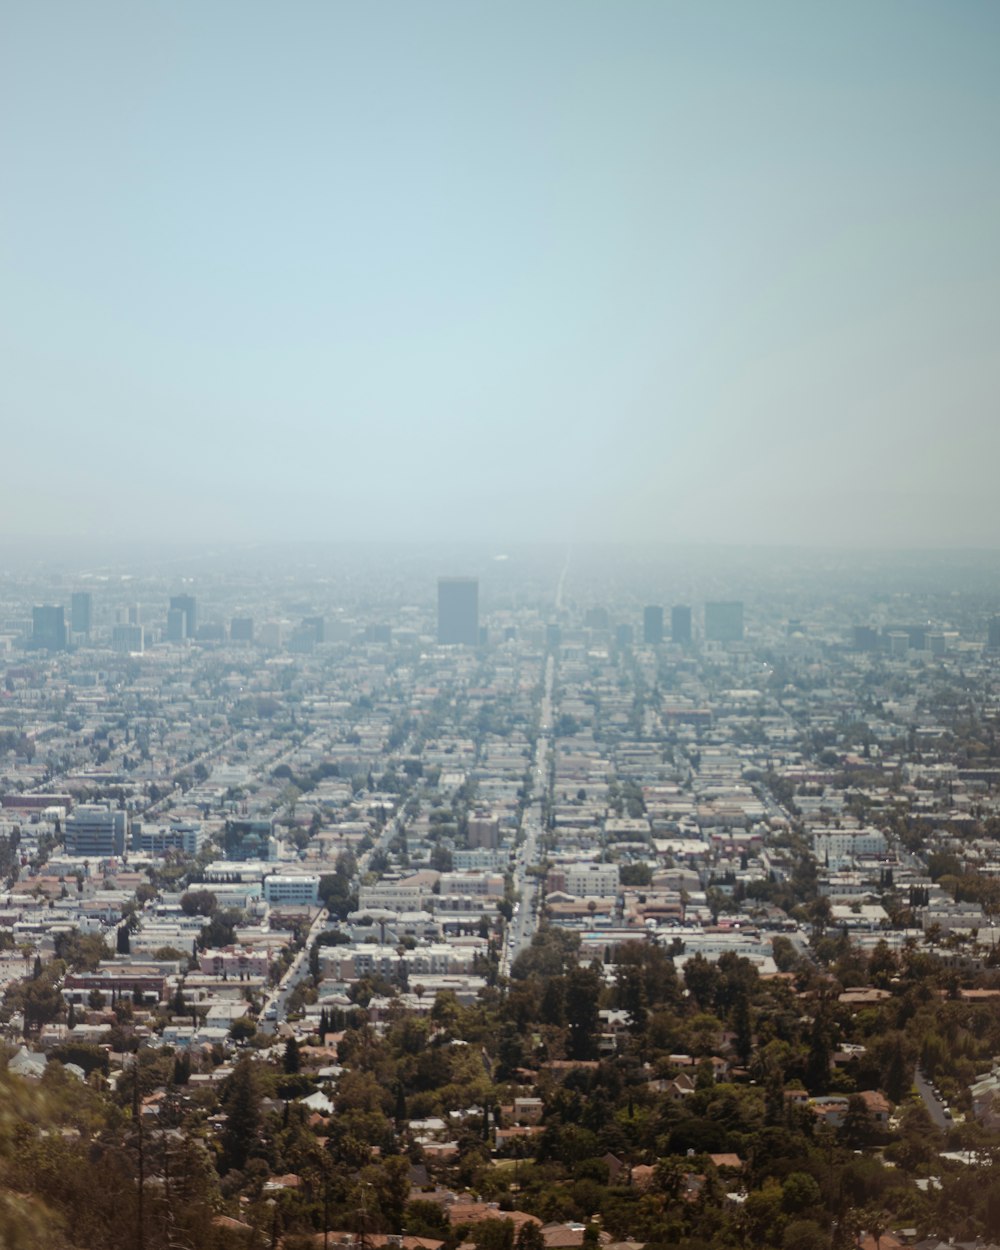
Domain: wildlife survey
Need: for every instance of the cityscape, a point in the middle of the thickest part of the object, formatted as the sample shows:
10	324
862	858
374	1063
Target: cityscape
499	625
549	903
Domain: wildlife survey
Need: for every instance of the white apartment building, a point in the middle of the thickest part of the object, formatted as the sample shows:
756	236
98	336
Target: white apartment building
589	880
838	847
479	883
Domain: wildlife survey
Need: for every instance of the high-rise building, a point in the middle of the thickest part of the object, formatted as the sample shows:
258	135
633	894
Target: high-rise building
865	638
48	627
724	622
993	639
189	606
96	830
81	612
680	623
597	618
624	635
652	625
318	626
241	629
484	831
176	625
458	611
126	639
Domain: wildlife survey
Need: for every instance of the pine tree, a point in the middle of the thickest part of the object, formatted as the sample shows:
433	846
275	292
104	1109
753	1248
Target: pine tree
293	1061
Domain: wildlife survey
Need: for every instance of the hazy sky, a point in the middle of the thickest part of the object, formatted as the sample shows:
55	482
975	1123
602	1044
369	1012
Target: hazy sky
693	271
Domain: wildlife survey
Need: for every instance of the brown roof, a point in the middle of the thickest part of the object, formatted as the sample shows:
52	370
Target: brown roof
473	1212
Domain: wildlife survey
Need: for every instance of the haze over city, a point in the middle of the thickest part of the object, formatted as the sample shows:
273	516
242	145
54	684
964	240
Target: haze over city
713	274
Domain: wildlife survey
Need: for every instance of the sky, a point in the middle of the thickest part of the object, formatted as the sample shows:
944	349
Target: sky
563	271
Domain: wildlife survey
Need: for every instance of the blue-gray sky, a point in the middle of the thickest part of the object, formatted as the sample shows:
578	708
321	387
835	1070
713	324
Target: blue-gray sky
724	272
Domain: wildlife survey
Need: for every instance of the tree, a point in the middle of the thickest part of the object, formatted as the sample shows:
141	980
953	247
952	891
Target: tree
583	989
198	903
241	1103
122	943
292	1059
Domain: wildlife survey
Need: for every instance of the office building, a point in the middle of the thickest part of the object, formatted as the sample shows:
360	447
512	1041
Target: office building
241	629
186	836
176	625
680	623
318	626
624	635
250	839
48	627
724	622
993	639
81	612
865	638
597	618
652	625
292	890
458	611
189	606
96	831
126	639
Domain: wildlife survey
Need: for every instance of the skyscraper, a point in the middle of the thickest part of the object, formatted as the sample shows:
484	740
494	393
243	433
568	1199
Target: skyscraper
176	625
724	622
680	623
189	606
458	611
318	626
241	629
48	627
652	625
81	612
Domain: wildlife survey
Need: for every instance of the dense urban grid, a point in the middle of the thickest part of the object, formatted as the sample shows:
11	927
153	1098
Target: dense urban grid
508	902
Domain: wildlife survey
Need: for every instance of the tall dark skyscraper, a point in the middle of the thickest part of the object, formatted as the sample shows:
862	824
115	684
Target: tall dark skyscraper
652	625
189	606
680	623
318	626
81	612
993	638
458	611
724	622
48	627
241	629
